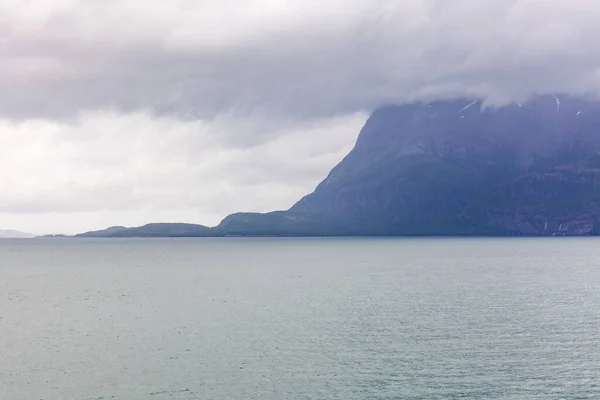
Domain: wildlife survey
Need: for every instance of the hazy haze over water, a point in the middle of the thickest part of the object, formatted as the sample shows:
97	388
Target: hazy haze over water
300	319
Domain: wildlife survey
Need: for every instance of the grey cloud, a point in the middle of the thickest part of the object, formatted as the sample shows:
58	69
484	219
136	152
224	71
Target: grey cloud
316	64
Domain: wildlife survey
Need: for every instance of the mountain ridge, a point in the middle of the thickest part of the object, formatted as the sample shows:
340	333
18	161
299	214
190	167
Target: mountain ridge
451	167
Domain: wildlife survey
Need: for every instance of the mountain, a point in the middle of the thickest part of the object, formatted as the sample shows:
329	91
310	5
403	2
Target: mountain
152	230
11	234
453	167
281	223
459	168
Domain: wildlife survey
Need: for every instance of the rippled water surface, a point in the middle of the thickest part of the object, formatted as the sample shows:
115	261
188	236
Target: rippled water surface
244	319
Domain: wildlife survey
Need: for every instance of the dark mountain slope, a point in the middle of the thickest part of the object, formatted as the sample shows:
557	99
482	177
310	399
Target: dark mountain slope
447	168
453	168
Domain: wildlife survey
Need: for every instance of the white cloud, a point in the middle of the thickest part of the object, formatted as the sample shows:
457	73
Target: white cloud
136	168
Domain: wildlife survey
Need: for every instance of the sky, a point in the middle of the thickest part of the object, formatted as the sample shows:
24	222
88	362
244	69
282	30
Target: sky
124	112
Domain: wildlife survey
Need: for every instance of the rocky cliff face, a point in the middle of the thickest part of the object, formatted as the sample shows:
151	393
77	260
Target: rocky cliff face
453	167
560	201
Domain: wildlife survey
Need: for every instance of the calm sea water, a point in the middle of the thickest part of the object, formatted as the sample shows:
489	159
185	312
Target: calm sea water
261	319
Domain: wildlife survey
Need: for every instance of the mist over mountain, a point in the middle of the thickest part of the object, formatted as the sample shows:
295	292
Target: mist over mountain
12	234
453	167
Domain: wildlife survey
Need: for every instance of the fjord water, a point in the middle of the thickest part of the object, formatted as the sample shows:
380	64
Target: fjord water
300	319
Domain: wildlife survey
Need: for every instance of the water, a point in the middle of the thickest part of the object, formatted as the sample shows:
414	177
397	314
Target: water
300	319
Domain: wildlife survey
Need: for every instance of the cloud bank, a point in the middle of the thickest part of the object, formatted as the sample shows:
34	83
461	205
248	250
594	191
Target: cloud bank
133	111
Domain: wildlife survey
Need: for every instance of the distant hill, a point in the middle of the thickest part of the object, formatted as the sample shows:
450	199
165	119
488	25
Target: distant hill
12	234
152	230
448	168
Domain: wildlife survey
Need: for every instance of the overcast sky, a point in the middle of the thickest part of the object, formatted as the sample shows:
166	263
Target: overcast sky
132	111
